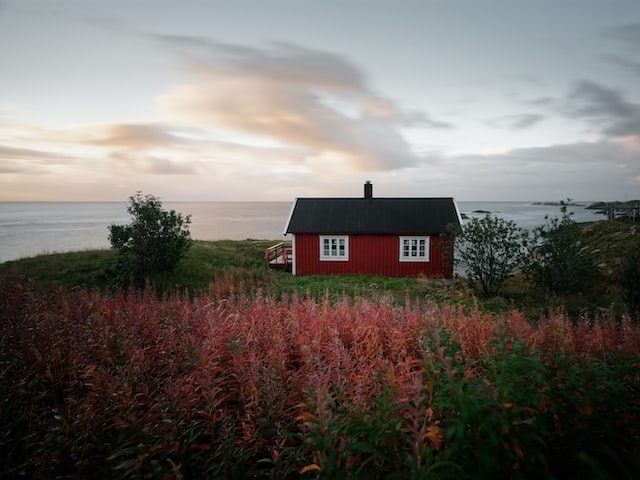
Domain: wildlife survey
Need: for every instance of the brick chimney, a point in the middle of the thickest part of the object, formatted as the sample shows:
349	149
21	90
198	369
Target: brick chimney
368	190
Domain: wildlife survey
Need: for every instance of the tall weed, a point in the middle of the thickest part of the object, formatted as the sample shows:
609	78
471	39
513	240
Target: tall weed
235	384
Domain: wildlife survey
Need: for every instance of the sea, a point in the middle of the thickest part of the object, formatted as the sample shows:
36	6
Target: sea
29	229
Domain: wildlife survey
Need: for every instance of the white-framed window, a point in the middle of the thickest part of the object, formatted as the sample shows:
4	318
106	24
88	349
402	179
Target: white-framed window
414	249
334	247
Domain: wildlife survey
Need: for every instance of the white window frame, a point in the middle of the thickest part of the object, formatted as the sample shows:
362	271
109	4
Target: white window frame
338	248
414	248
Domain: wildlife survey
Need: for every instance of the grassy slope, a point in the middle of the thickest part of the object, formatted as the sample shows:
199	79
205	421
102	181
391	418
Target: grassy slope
238	265
225	263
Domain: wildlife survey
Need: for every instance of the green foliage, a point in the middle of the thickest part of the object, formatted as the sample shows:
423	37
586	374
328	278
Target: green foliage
154	242
558	262
490	250
630	281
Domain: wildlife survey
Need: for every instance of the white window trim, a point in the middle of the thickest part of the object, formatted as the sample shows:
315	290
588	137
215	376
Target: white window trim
337	257
418	257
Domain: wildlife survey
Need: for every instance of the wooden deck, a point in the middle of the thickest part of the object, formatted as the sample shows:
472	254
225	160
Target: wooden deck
279	257
623	211
627	210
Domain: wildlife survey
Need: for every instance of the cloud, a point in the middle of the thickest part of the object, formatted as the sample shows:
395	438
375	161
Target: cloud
315	101
385	109
30	151
600	170
627	38
606	109
128	163
628	34
626	63
519	121
135	148
16	153
157	149
133	136
583	170
127	147
168	148
297	65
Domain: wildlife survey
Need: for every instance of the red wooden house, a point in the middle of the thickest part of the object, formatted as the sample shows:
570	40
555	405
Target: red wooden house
395	237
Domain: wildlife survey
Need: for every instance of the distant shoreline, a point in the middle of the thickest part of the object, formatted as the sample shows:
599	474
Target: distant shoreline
603	205
559	204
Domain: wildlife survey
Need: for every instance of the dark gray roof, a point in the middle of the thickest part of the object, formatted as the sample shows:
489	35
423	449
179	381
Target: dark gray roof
372	215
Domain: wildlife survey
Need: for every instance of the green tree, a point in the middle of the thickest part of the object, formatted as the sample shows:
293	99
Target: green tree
490	249
558	262
155	241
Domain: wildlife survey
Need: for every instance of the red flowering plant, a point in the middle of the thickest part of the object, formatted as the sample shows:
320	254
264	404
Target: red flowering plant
227	385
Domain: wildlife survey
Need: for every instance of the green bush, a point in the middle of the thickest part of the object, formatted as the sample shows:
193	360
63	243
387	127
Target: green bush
630	281
154	242
490	250
558	262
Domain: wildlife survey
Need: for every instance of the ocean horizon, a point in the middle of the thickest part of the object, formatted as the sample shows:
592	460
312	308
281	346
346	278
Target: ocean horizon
29	229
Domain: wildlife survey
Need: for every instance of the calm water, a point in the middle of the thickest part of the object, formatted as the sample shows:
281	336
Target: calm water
32	228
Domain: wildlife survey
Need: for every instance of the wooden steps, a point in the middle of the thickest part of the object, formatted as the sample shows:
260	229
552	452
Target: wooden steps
279	256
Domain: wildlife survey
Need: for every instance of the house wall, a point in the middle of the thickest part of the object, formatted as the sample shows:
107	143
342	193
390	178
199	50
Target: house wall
370	255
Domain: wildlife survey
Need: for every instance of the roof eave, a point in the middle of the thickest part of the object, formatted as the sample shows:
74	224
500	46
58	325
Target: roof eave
293	207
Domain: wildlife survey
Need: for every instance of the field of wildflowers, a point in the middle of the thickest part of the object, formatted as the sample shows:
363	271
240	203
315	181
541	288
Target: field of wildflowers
232	385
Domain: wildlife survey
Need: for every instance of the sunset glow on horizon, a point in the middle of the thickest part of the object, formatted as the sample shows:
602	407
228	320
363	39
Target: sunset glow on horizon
268	101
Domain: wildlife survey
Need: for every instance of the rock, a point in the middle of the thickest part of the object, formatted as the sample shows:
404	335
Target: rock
500	301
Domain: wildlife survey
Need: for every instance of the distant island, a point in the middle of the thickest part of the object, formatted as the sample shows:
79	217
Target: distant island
559	204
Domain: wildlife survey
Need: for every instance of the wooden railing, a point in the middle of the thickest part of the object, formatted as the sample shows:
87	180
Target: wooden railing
278	256
622	211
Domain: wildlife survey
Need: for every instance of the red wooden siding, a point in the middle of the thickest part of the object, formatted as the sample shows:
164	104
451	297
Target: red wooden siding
370	255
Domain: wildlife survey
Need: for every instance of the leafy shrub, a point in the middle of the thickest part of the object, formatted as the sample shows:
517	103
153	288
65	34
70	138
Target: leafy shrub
558	263
490	250
630	281
155	241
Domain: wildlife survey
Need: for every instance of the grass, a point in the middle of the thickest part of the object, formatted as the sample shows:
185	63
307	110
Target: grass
238	266
90	267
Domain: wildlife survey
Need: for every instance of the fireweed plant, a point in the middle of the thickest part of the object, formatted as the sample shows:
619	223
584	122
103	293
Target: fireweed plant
226	385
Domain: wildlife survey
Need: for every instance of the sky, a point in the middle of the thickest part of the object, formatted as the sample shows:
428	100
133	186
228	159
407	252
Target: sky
269	100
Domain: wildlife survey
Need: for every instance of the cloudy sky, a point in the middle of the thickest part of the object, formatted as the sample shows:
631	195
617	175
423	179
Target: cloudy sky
270	100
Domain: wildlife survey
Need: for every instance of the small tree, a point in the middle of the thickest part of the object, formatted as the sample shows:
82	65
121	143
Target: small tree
558	263
490	250
155	241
